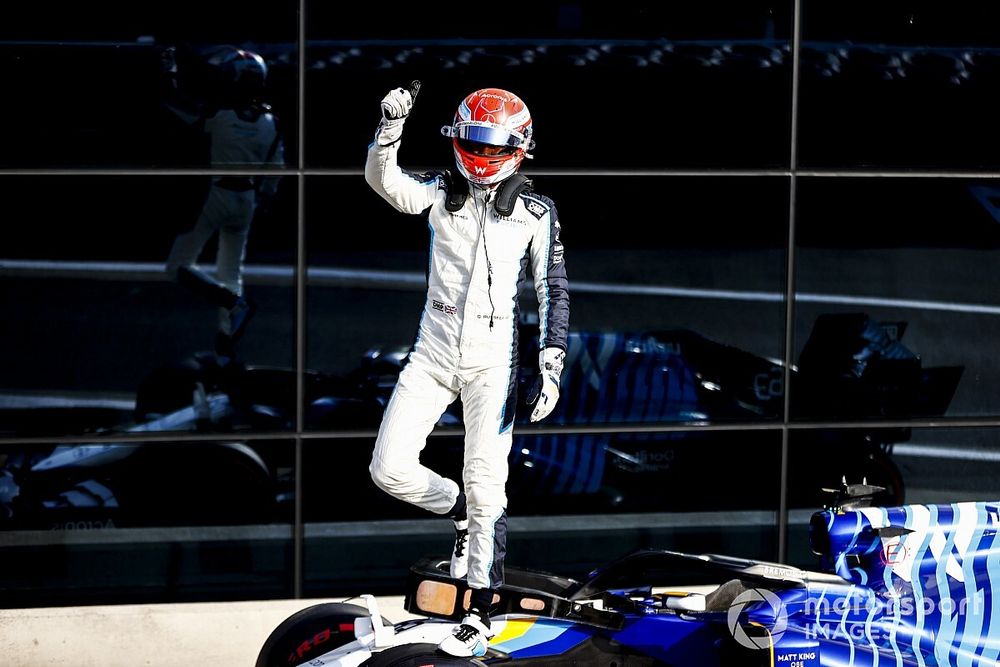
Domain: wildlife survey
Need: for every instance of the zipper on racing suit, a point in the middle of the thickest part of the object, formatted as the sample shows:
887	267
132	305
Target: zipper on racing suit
487	197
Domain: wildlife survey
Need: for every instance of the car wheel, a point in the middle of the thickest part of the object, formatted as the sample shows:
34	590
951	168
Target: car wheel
309	633
417	655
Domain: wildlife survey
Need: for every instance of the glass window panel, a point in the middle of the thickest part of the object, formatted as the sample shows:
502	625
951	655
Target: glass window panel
909	86
575	501
895	301
587	71
145	522
915	466
105	340
676	313
98	86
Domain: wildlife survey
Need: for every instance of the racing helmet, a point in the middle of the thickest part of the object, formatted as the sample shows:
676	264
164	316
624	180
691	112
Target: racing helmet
243	72
491	135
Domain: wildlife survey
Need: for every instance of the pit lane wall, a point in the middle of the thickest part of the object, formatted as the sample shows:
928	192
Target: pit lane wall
152	635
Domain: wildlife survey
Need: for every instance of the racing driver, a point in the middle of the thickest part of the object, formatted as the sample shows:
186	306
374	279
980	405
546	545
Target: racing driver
486	224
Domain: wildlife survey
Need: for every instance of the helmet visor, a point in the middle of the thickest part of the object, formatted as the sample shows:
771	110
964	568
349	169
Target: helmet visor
484	150
494	136
485	134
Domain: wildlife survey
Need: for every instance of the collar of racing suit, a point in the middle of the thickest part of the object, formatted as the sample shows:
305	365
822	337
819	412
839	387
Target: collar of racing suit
505	193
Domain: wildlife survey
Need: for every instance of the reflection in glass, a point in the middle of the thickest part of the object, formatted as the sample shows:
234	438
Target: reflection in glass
901	271
724	69
854	367
677	318
663	376
145	521
242	131
575	501
99	329
220	91
911	85
950	465
913	465
90	78
144	484
571	474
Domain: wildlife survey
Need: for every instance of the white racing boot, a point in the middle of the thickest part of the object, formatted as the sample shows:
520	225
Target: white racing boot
469	639
460	553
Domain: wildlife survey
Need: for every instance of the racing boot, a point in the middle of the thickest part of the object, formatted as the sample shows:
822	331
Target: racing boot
239	317
459	568
225	351
470	638
232	323
460	554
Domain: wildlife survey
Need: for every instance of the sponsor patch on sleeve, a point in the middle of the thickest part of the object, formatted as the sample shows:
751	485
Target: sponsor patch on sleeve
535	207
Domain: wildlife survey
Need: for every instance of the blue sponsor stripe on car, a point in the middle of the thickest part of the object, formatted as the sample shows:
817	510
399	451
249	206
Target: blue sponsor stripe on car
975	602
917	588
887	579
949	621
843	624
872	611
991	638
841	565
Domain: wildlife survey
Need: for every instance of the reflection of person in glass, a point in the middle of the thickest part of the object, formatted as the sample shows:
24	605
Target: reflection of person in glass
242	132
486	226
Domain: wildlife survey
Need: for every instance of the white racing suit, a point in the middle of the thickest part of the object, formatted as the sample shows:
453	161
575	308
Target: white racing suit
467	346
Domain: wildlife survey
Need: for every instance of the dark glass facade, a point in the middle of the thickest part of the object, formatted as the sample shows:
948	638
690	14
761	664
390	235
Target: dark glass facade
779	249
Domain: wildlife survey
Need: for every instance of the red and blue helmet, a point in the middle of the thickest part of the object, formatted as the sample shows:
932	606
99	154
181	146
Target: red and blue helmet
491	135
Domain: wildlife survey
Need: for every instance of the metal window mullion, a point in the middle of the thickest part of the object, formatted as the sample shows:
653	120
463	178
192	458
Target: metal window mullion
298	528
569	173
793	165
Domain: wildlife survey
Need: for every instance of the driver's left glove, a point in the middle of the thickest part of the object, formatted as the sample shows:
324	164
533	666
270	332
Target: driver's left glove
544	393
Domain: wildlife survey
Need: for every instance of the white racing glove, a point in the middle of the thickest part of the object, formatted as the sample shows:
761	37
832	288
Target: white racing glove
544	393
396	104
396	107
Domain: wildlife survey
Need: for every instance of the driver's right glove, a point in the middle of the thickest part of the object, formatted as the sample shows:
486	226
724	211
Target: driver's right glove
396	107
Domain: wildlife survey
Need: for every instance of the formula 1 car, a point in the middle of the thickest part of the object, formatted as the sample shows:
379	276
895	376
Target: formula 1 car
851	367
903	586
140	484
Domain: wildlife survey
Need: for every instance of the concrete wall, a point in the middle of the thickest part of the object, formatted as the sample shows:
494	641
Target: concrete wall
168	635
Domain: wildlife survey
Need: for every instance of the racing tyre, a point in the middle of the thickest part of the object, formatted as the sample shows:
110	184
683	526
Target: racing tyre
417	655
309	633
